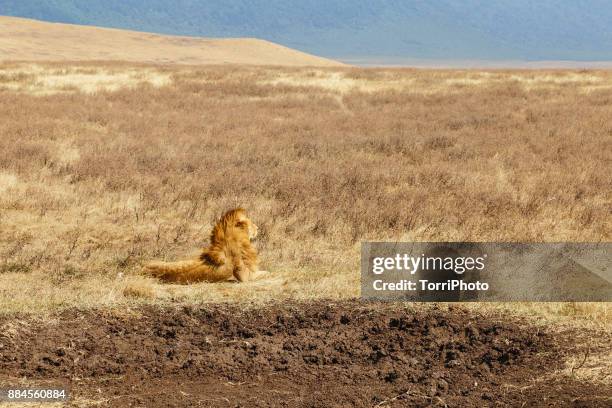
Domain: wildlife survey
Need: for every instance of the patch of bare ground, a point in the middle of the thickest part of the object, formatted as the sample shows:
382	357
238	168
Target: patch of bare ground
301	355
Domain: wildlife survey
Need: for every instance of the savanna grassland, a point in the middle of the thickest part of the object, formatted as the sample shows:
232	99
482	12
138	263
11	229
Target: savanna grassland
106	165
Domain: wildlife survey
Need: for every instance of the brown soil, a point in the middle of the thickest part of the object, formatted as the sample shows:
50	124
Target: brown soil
299	355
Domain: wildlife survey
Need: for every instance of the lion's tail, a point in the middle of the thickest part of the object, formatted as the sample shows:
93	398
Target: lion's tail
181	272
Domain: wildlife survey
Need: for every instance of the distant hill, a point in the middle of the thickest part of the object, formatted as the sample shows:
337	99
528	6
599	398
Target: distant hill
31	40
445	29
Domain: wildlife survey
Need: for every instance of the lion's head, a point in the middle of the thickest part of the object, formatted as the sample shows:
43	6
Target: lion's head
234	224
243	222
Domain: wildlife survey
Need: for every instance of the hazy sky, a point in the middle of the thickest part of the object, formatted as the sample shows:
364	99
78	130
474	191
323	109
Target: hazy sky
441	29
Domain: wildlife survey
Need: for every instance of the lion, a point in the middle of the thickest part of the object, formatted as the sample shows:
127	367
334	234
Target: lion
229	254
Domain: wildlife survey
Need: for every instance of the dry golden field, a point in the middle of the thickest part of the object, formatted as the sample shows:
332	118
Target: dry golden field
106	165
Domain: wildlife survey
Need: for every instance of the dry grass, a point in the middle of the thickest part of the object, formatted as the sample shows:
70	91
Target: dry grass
103	166
591	367
38	80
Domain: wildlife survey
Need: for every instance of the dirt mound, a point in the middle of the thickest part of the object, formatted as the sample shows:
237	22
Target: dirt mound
316	354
